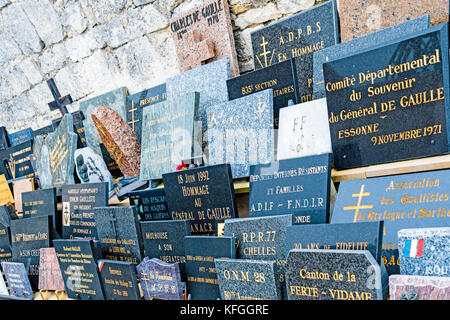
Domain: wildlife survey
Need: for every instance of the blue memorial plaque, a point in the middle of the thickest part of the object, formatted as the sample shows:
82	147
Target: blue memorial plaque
409	201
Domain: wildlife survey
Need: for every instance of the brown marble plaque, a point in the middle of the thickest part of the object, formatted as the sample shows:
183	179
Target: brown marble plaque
419	288
50	277
119	139
205	34
361	17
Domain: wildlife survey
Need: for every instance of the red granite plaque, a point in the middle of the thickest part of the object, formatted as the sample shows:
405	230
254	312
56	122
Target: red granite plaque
205	34
419	288
50	277
119	139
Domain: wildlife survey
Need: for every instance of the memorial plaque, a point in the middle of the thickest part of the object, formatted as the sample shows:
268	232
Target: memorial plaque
424	252
334	275
6	197
168	135
19	187
402	202
297	36
91	168
419	288
137	102
115	100
210	81
281	77
15	161
247	280
304	130
365	42
78	127
164	240
202	195
55	162
4	140
346	236
389	103
160	280
361	17
261	239
202	282
300	187
119	234
7	213
125	186
17	278
119	280
43	132
79	269
204	34
20	137
50	277
41	203
5	243
27	237
240	132
150	204
78	201
119	139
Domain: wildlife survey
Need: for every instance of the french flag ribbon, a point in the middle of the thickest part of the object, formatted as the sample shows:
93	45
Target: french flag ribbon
413	248
100	265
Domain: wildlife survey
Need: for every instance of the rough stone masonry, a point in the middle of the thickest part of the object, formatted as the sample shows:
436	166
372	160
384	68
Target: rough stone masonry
93	46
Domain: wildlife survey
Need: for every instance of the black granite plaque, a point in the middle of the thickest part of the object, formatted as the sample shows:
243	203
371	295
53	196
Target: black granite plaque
390	103
119	280
165	240
78	202
27	237
118	233
300	187
79	269
202	195
5	244
346	236
281	77
16	161
200	267
138	101
297	36
41	203
334	275
150	204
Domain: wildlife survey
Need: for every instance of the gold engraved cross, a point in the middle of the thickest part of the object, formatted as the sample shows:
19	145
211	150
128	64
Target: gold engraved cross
132	110
358	207
264	54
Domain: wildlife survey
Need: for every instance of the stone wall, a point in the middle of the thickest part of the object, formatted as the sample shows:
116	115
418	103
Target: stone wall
93	46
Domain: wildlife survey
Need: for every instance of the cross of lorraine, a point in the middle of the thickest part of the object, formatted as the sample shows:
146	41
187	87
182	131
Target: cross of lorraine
358	206
265	54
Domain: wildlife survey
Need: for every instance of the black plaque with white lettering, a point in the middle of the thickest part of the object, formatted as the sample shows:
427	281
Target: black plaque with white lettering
78	201
300	187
